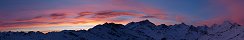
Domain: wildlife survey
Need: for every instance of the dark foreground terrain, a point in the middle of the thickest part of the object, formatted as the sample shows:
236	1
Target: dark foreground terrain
143	30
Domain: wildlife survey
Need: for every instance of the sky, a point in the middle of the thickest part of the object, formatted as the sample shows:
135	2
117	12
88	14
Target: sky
54	15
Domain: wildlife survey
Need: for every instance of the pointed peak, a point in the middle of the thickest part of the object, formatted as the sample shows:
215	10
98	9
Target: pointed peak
183	23
164	25
108	23
228	23
214	25
237	24
141	22
131	23
146	21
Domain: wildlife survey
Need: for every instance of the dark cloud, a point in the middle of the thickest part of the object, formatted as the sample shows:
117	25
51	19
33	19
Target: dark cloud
56	22
17	24
148	17
106	15
27	19
42	19
38	17
84	13
23	19
109	14
58	15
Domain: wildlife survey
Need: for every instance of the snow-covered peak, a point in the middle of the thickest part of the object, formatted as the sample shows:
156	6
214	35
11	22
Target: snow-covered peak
142	30
224	27
107	26
146	21
142	25
163	26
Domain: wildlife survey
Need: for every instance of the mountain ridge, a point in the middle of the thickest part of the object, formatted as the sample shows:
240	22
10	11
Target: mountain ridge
142	30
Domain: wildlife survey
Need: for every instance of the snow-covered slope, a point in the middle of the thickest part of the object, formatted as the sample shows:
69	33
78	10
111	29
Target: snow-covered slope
143	30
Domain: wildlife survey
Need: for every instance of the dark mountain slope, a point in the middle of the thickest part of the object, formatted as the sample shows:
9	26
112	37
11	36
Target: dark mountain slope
143	30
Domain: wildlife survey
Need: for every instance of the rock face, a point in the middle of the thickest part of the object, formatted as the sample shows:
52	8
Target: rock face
143	30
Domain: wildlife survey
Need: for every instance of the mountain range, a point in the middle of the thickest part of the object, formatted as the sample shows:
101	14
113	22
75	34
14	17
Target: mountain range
143	30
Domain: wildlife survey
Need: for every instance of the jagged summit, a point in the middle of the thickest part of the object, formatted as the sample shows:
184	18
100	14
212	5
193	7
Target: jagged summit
231	23
142	30
141	25
145	21
142	22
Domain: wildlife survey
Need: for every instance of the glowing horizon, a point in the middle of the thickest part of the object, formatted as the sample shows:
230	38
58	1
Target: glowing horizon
43	15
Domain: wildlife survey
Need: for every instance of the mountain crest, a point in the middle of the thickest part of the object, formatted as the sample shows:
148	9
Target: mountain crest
143	30
145	24
182	23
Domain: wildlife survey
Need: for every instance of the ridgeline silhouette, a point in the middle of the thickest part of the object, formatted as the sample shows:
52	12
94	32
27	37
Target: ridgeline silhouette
143	30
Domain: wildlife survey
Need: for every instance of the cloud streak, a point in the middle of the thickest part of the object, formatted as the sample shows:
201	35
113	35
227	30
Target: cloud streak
92	12
81	18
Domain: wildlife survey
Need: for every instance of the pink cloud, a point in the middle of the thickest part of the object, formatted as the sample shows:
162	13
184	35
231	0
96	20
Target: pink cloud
129	5
60	16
